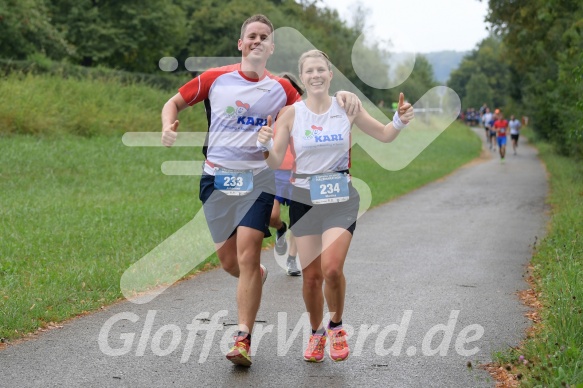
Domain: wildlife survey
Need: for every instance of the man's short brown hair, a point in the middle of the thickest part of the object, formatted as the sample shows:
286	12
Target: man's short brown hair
257	18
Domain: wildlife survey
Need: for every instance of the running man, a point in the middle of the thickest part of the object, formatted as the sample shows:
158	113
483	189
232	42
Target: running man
514	126
324	205
236	187
487	122
493	130
501	126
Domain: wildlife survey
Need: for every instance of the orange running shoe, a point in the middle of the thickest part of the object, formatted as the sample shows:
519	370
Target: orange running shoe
339	350
315	350
240	353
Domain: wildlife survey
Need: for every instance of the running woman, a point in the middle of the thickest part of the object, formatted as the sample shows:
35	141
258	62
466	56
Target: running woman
324	204
237	188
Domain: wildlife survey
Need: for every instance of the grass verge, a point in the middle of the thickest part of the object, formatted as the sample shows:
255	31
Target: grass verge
552	354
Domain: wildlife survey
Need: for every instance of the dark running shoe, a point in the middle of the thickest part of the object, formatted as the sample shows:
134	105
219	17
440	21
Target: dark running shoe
281	241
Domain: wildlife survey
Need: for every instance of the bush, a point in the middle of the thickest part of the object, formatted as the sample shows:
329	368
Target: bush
40	64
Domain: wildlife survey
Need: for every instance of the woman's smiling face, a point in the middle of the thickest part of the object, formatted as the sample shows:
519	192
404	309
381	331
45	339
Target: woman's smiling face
316	75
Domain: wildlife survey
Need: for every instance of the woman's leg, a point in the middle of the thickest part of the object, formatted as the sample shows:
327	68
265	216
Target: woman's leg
337	241
309	249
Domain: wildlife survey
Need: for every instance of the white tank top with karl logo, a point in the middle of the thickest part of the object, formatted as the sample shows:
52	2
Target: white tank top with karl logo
319	142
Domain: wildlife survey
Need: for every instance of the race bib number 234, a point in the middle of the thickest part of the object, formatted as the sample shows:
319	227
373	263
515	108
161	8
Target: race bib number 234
329	188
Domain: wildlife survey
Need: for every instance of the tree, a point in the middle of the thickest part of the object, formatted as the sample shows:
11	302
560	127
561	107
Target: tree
131	35
26	28
543	40
420	80
577	132
487	59
490	59
134	34
477	92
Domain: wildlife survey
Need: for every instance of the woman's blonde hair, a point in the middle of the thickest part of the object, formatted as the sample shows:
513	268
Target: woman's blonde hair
313	54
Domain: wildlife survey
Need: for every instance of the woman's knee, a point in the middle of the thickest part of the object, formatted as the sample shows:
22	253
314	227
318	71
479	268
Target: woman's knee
333	274
312	281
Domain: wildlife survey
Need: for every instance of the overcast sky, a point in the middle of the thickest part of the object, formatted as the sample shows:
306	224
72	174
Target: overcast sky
421	26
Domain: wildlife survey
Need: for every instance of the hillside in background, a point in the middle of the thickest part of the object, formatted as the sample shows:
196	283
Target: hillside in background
444	62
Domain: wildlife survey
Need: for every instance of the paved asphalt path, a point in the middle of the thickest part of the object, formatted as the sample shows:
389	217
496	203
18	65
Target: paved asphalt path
432	278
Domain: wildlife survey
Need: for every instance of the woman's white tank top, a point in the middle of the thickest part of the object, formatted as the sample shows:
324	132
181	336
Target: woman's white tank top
319	142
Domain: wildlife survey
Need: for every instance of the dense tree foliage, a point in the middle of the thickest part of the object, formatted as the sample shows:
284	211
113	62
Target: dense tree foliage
484	64
420	80
133	35
544	42
533	62
478	91
26	28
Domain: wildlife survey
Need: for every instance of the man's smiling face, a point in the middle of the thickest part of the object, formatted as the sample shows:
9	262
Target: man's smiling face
257	42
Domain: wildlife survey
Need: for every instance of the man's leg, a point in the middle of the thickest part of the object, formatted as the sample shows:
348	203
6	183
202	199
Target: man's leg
250	283
249	287
291	264
275	219
227	254
276	222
